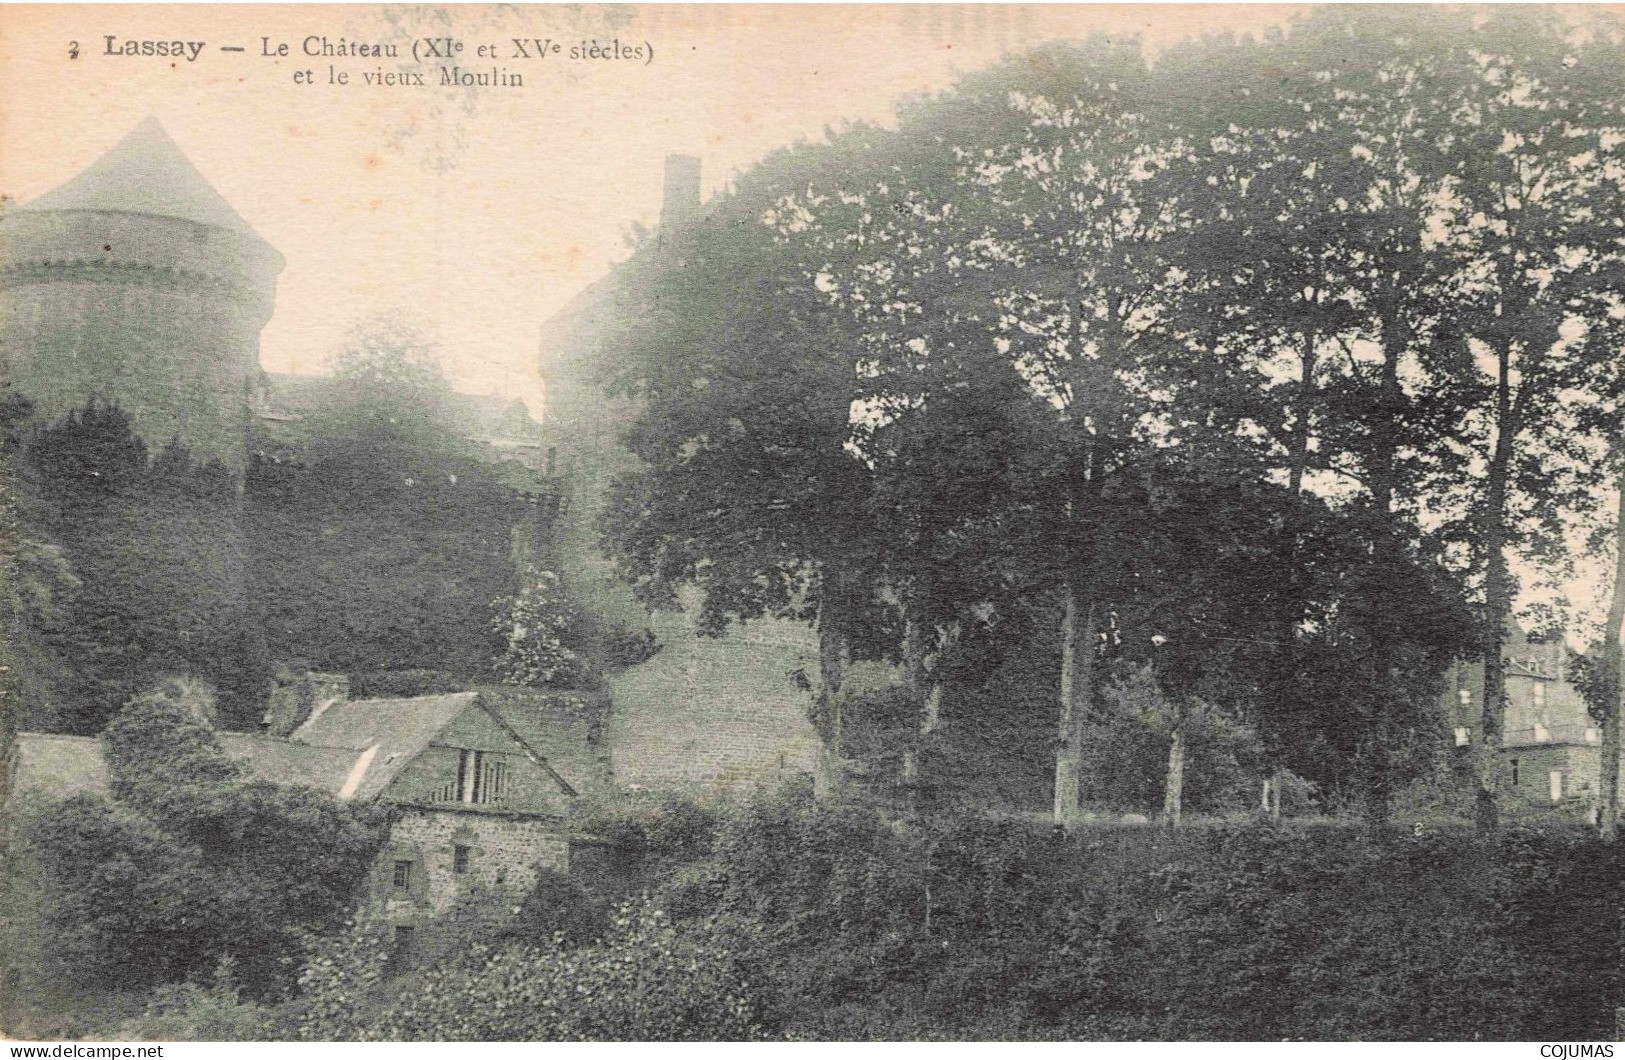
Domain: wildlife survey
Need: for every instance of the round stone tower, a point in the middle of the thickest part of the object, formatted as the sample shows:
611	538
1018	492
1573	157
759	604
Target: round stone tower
136	282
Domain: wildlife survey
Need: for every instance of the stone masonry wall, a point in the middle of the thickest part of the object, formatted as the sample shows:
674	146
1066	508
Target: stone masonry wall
160	315
714	714
504	851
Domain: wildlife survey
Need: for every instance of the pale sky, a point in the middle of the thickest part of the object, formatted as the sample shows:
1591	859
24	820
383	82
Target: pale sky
480	212
483	211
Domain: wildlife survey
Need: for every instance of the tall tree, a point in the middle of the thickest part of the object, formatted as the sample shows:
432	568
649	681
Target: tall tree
1321	304
1532	223
1066	225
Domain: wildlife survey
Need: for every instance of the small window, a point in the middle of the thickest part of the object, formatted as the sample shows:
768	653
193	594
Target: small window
482	777
1463	736
1539	693
403	875
1466	697
1514	772
459	858
1556	783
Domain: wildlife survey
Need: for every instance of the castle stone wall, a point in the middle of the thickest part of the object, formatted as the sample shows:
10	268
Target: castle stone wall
715	714
160	314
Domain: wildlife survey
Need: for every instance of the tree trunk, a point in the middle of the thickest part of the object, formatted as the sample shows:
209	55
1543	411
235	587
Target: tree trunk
1492	717
1066	746
931	720
1300	436
1291	612
1613	653
914	656
1497	603
1173	792
1078	635
916	679
1388	567
832	660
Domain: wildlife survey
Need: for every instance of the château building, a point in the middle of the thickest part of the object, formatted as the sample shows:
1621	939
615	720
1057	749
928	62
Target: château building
704	713
1551	747
136	283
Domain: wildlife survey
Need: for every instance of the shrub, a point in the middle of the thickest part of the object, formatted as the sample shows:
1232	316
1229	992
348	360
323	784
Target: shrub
162	741
535	626
125	905
666	830
187	864
643	982
1204	933
557	908
193	1013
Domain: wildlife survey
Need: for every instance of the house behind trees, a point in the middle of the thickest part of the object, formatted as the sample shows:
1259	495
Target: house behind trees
482	783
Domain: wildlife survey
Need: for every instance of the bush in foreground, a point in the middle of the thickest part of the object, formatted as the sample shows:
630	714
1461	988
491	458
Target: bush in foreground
642	982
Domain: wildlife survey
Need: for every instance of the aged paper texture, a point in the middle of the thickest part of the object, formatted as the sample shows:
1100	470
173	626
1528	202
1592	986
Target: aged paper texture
798	522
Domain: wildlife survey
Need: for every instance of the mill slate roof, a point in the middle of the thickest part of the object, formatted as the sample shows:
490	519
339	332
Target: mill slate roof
145	173
59	766
351	749
284	762
394	731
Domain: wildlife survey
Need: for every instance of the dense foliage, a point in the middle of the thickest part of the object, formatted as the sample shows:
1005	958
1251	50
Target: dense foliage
1257	364
643	981
375	557
535	629
387	542
781	919
980	928
190	863
138	570
377	541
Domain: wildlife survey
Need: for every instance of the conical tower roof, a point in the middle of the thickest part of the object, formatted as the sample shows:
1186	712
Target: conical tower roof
145	173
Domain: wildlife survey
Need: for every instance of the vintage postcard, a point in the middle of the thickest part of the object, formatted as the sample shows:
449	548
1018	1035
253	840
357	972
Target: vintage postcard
784	523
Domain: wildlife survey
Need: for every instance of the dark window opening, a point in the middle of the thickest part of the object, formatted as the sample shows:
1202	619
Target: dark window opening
481	777
403	875
1514	772
405	934
459	858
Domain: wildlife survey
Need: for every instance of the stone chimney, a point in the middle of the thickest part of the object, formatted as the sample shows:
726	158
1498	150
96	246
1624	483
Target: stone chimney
334	688
680	203
297	698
